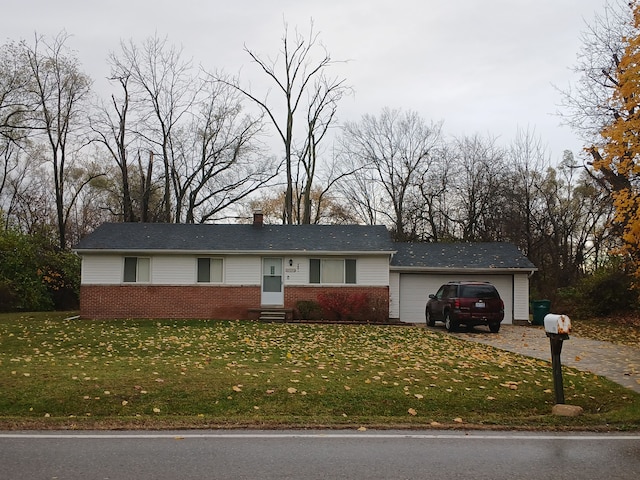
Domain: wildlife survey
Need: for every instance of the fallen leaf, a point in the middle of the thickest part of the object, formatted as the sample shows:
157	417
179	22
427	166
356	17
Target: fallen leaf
457	420
362	429
419	396
236	388
412	412
578	358
292	390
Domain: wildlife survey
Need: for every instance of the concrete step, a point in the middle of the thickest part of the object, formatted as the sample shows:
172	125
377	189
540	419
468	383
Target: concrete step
273	316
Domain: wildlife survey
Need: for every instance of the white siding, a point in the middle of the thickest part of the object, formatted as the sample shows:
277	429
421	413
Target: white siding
101	269
173	270
298	273
243	270
394	295
370	271
521	297
416	287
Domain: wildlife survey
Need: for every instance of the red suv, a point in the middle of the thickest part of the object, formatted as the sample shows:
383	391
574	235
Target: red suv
468	303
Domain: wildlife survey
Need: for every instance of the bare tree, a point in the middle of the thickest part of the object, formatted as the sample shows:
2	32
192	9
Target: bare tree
218	160
299	78
163	87
59	90
527	160
397	149
587	105
111	129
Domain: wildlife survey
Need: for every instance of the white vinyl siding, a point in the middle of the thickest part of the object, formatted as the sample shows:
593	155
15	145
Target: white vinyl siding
173	270
394	295
238	269
373	271
369	271
101	269
243	270
521	297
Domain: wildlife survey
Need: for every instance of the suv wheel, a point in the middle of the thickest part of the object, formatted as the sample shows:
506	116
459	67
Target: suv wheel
450	324
494	327
430	321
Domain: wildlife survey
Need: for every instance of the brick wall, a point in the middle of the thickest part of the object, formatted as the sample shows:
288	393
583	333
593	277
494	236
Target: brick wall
198	301
377	295
166	301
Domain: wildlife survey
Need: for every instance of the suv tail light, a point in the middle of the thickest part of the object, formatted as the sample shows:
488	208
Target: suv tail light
456	303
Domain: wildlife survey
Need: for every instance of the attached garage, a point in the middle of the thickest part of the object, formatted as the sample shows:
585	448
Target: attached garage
420	269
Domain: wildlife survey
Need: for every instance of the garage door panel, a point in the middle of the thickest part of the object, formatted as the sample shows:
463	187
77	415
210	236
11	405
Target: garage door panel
416	287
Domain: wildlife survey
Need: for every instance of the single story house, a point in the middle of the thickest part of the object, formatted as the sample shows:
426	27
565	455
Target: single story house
159	270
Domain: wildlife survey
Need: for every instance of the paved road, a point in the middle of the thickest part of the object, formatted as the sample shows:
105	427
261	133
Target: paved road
618	363
318	455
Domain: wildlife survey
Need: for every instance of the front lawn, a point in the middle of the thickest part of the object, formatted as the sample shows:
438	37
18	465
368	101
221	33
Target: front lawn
57	373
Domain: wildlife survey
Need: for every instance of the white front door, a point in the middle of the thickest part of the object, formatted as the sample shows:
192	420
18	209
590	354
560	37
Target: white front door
272	291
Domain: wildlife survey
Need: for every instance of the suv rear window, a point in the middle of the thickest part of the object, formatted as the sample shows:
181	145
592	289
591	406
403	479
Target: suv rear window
478	291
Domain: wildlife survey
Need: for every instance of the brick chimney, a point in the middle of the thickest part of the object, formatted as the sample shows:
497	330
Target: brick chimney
257	218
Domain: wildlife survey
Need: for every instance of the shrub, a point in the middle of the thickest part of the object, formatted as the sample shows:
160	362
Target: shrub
606	291
344	306
35	275
308	310
8	297
377	310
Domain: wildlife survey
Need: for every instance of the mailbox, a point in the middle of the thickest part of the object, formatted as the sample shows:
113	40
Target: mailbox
557	324
557	328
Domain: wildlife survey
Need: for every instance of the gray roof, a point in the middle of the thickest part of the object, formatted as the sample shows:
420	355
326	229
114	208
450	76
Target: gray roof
467	256
124	237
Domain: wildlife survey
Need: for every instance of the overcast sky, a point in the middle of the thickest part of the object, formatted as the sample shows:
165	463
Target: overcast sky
481	66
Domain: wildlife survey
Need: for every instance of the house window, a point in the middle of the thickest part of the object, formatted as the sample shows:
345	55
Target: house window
209	270
136	269
332	270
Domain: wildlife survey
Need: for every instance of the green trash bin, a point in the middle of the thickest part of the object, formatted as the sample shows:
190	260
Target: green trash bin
540	309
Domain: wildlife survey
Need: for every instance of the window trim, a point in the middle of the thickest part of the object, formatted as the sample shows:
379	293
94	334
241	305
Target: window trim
211	270
349	271
137	269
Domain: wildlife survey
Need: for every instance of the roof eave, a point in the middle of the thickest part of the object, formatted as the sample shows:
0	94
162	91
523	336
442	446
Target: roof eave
120	251
464	270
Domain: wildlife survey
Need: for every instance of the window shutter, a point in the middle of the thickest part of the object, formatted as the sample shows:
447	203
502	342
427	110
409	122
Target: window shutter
130	265
204	270
314	270
350	270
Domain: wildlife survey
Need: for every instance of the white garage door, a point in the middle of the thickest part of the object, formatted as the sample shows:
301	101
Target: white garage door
416	287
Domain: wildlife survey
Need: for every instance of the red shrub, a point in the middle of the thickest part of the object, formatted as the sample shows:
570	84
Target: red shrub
344	306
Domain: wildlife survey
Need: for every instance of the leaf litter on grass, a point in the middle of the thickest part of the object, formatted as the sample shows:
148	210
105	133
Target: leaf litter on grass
258	372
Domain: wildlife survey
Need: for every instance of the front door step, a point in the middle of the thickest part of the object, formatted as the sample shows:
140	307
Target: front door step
272	314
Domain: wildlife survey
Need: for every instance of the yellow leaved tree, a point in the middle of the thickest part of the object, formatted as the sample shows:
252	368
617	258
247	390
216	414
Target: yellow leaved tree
618	157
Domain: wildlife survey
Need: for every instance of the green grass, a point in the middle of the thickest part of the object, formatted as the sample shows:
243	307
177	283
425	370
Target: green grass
57	373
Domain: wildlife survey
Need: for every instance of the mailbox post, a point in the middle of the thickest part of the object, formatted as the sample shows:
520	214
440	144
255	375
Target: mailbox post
557	328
